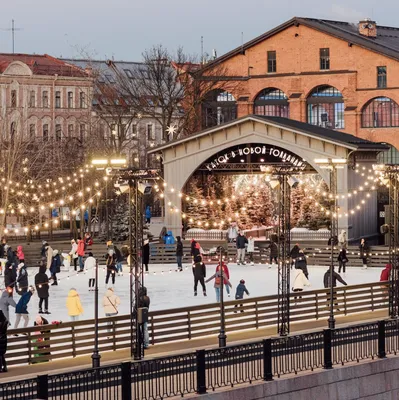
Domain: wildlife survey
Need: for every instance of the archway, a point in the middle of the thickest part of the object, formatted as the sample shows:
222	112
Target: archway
219	107
325	107
271	102
380	112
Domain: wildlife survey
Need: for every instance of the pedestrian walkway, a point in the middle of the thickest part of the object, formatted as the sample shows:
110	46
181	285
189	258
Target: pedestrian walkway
114	357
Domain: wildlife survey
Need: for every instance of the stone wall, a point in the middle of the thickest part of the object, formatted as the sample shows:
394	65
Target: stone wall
374	380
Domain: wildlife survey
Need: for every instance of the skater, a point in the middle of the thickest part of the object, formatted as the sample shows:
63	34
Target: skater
226	276
385	276
302	263
110	265
294	254
240	290
74	305
364	250
88	240
218	284
342	260
55	267
199	272
49	255
119	261
144	302
21	309
2	248
20	254
251	249
273	253
163	234
91	264
179	253
146	254
241	241
43	337
196	249
6	300
42	288
81	253
342	240
111	303
22	279
43	249
3	341
74	254
10	274
336	277
148	215
300	281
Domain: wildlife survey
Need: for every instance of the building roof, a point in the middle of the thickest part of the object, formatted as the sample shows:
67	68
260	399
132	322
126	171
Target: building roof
386	42
41	64
340	138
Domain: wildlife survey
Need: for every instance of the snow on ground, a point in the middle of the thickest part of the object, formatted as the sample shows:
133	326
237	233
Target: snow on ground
169	289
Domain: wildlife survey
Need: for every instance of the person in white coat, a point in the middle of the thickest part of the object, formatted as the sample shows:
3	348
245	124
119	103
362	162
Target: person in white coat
74	254
300	281
90	265
111	303
251	249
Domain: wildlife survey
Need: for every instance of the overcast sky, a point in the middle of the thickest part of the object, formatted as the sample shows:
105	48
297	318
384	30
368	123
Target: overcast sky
124	28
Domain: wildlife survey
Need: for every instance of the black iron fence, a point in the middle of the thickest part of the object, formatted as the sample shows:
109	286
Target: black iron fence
209	370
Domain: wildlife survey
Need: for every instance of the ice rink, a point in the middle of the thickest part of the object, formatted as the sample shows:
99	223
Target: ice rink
170	289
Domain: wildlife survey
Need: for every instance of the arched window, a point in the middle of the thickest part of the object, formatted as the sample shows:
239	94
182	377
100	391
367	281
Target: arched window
326	107
381	112
219	106
271	102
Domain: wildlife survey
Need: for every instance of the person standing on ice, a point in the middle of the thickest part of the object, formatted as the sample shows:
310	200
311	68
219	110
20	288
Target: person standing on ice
6	300
55	267
300	281
294	254
111	303
22	279
90	265
21	309
148	215
111	266
74	305
179	253
42	288
199	272
81	253
273	253
218	282
144	302
342	260
195	248
241	242
146	254
240	290
74	254
327	284
364	252
251	249
20	254
302	263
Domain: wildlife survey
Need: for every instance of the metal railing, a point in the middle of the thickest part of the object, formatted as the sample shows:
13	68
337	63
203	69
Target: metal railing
213	369
72	339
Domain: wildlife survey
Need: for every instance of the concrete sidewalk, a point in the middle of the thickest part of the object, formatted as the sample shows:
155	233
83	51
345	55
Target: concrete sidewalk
20	372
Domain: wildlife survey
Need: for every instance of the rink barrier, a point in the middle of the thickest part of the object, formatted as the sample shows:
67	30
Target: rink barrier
72	339
209	370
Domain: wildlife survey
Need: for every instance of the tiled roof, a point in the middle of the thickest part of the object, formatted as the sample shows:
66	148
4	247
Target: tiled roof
41	64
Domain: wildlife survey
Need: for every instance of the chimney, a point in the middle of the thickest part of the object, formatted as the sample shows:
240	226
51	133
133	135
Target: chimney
368	28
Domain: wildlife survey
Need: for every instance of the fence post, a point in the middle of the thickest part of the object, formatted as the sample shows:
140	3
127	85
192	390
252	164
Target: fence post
327	348
126	373
201	372
42	387
267	360
381	339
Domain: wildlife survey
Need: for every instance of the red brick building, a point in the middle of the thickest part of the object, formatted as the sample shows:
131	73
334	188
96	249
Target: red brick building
328	73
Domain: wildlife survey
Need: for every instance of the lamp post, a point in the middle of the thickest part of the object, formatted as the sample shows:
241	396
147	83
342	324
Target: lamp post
95	357
332	165
222	333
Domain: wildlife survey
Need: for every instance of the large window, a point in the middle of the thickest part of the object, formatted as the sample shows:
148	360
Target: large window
70	130
218	107
13	98
57	99
32	99
70	99
271	61
325	59
32	131
271	102
381	112
381	77
45	99
58	133
45	133
82	100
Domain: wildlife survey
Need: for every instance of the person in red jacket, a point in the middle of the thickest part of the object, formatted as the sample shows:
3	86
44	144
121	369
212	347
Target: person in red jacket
81	253
385	276
226	276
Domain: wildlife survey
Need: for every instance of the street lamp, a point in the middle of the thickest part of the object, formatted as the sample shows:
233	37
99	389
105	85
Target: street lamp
332	164
95	357
222	333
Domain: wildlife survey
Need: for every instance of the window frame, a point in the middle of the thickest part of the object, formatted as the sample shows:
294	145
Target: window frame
382	77
70	99
57	99
13	98
45	132
58	133
71	131
370	114
271	62
82	100
324	59
32	99
45	102
32	132
150	134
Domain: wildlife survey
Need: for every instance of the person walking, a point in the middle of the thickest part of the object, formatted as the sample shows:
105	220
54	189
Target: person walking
364	252
273	253
301	263
240	290
81	253
251	249
3	341
6	300
42	288
241	242
148	215
21	309
179	253
199	272
55	267
146	253
342	260
22	279
111	303
74	254
111	266
91	265
218	282
73	304
144	302
20	254
327	283
294	254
